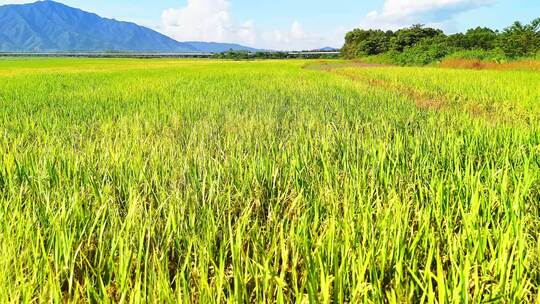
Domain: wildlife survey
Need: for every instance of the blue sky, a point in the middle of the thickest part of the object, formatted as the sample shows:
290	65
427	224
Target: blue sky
303	24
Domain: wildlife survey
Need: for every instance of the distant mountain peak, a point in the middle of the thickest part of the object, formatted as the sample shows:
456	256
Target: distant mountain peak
48	3
50	26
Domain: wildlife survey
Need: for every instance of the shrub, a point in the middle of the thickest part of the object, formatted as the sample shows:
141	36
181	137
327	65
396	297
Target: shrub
495	55
429	51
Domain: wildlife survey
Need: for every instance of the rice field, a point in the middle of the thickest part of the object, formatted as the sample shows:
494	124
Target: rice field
200	181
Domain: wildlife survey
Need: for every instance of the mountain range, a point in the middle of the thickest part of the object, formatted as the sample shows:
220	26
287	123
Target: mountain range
48	26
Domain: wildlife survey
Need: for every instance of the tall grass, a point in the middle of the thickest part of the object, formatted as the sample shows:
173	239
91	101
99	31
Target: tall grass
503	95
209	181
476	64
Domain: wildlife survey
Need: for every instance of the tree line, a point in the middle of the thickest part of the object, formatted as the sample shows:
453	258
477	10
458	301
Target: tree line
422	45
246	55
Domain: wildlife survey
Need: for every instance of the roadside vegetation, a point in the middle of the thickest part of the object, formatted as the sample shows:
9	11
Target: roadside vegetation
210	181
244	55
420	45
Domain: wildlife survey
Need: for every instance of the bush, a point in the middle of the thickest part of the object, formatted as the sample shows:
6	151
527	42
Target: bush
424	53
385	58
427	52
495	55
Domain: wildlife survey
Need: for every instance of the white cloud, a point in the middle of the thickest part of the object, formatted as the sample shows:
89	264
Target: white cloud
400	13
206	20
210	20
297	38
247	32
291	39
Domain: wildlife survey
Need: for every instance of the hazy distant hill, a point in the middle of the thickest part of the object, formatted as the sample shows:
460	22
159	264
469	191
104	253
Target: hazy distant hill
327	49
216	47
48	26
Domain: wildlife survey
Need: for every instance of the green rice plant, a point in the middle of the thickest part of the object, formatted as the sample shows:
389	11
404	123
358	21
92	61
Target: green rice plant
501	95
217	181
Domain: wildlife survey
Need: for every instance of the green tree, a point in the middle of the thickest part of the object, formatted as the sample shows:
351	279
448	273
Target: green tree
480	38
521	40
409	37
420	45
366	42
457	40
